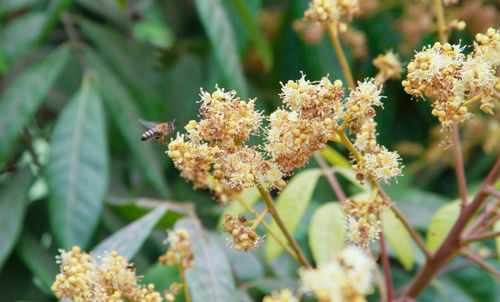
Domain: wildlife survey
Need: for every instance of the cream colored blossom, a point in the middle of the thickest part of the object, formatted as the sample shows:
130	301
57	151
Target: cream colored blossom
243	237
388	65
284	295
179	249
326	11
381	165
363	219
347	277
108	278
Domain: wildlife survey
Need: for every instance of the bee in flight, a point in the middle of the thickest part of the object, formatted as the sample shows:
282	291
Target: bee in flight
158	131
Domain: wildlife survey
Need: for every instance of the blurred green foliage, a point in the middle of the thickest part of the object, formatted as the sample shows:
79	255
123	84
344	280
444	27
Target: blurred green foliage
75	76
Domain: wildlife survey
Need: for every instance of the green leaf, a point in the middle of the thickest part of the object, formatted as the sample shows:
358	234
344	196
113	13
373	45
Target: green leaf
399	238
23	97
153	29
38	260
327	231
54	11
211	274
220	33
108	9
162	277
251	23
134	209
124	114
496	228
250	196
441	224
12	208
335	158
15	39
10	6
78	170
127	241
291	205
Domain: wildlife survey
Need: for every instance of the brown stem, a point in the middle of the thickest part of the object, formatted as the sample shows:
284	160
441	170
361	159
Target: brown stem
476	225
327	171
488	224
334	37
459	167
493	192
386	267
482	237
452	243
274	212
467	253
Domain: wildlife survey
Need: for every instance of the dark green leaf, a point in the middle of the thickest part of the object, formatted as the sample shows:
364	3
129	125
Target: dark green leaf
78	171
127	241
39	261
211	275
54	11
134	209
399	238
15	39
250	21
10	6
291	205
125	114
327	231
106	8
23	97
12	208
220	33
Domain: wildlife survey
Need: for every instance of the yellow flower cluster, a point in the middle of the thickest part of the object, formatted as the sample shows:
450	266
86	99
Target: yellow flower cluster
363	221
346	277
106	279
179	249
284	295
327	11
445	74
243	237
388	65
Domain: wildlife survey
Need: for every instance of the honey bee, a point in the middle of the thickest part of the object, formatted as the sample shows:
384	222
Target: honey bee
157	131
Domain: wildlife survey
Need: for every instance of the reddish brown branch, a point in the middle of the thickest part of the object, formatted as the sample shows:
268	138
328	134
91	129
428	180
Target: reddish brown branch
387	268
459	167
467	253
328	172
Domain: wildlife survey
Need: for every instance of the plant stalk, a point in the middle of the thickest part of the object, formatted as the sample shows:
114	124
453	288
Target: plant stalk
334	37
386	267
459	167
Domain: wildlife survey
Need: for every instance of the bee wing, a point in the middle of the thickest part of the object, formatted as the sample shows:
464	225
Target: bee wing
148	124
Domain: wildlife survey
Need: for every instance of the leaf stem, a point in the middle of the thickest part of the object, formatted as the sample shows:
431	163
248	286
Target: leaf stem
267	227
330	176
274	212
184	282
334	37
469	254
386	267
459	167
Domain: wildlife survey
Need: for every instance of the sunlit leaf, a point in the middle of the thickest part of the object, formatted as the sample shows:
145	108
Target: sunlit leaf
78	171
124	114
220	33
327	231
441	224
12	207
250	196
23	97
38	260
291	205
211	274
15	39
399	238
127	241
335	158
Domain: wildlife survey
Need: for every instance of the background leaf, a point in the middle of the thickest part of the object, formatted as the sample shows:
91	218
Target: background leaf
54	11
441	224
21	100
210	277
327	231
291	205
127	241
250	196
12	208
16	40
220	33
78	171
399	238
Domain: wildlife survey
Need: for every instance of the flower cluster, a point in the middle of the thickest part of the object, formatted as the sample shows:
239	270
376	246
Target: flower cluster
284	295
243	237
173	290
346	277
363	219
388	65
179	249
327	11
443	73
106	279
